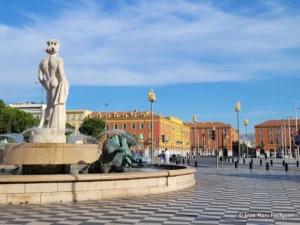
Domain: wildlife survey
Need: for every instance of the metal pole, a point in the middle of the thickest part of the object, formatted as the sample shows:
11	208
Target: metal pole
297	131
139	131
151	152
285	148
238	123
247	141
282	141
216	146
182	140
195	136
290	142
204	142
198	144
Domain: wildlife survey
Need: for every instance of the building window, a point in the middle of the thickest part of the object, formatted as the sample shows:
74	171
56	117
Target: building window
270	135
141	146
277	128
262	143
115	126
68	117
261	135
150	135
107	126
271	142
124	126
74	117
80	117
224	129
150	125
278	135
292	128
292	135
141	136
261	129
270	128
292	142
142	126
133	126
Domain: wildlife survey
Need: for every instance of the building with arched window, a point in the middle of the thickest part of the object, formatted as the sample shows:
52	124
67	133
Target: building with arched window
274	136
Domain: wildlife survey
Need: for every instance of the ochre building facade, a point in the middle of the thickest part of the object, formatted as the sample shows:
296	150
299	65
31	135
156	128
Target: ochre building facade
168	132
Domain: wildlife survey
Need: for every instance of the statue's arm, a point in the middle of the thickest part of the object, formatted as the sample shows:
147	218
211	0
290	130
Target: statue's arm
41	77
61	69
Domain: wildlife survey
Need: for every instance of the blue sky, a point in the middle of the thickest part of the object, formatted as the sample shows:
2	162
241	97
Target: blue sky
199	56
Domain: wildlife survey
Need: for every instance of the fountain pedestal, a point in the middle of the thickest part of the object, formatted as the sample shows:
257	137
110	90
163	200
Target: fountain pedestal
44	155
48	135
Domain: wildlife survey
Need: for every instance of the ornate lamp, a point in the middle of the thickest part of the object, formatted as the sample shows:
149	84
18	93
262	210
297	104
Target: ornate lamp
151	98
238	109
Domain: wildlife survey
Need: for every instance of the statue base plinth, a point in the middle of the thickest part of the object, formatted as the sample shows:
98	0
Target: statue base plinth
47	135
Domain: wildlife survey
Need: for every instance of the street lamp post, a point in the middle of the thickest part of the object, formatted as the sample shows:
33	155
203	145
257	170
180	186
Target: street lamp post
151	98
216	145
195	121
105	106
246	122
297	129
238	109
182	140
285	146
198	148
139	127
290	141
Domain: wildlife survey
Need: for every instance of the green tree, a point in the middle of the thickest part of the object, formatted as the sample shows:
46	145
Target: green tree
69	126
13	120
92	127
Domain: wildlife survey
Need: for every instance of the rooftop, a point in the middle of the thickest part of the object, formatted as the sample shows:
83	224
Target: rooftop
208	124
277	123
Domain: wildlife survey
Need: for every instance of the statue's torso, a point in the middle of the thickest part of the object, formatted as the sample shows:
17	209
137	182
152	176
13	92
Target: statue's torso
49	67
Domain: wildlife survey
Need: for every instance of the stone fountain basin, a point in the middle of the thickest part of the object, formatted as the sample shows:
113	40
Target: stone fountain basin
48	154
38	189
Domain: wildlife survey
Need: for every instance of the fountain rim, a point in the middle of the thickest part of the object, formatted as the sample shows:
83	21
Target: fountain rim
180	170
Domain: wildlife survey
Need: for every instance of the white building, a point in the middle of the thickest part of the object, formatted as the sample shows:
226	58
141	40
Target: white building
30	107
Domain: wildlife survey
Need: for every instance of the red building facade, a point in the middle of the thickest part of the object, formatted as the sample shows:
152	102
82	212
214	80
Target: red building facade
203	144
275	136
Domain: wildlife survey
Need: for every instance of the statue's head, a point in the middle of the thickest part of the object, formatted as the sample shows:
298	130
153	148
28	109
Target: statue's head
52	46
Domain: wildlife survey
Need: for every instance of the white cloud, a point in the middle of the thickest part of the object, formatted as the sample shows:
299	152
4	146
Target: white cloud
153	43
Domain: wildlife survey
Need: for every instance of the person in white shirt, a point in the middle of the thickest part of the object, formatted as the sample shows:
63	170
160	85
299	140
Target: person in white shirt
167	154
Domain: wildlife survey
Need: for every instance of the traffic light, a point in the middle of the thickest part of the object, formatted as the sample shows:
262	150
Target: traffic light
212	135
163	138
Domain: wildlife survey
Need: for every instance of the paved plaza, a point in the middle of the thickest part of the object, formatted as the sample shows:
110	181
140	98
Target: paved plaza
223	196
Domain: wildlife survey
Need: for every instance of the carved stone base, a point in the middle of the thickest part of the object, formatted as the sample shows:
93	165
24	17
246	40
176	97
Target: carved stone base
47	135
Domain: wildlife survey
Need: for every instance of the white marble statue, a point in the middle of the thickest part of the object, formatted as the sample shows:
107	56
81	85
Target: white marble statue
52	76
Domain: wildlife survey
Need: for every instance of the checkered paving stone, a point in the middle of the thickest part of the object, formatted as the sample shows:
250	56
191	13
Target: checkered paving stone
219	197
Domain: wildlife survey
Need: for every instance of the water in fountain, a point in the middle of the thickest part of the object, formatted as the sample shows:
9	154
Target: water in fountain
73	138
19	138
